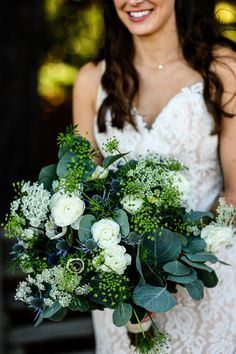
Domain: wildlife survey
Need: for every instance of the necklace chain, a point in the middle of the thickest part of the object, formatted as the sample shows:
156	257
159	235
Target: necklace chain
160	66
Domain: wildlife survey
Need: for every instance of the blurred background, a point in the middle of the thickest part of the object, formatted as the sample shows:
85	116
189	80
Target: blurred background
44	43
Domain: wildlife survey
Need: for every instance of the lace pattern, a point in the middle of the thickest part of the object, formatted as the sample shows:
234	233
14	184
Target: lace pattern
182	130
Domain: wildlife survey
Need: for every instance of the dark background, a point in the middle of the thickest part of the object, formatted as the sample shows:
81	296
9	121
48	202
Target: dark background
43	45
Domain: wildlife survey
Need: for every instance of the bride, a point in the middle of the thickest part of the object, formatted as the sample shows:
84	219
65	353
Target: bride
166	83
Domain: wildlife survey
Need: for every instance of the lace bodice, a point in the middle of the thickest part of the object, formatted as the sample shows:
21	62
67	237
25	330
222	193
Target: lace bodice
182	130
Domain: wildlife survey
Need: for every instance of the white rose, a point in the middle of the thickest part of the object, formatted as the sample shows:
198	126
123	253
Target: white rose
115	259
51	230
106	233
180	182
100	173
217	237
132	204
66	209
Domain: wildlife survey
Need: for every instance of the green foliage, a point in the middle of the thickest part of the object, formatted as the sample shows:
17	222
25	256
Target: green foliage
152	298
163	246
110	289
202	257
47	175
209	280
109	160
176	268
197	265
85	225
195	289
122	314
195	244
121	218
185	279
48	312
79	304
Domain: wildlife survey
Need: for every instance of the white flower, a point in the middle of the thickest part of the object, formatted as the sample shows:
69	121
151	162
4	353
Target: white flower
51	230
35	203
180	182
106	233
100	173
66	209
217	237
132	204
115	259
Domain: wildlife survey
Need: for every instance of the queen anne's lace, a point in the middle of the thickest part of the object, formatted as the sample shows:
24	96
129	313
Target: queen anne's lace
182	130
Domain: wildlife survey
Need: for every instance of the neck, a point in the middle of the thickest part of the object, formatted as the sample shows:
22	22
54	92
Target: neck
158	48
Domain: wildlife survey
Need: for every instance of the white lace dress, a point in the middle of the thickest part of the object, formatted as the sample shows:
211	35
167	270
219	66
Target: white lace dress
181	130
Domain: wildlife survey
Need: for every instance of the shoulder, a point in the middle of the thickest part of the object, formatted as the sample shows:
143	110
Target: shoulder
87	80
225	67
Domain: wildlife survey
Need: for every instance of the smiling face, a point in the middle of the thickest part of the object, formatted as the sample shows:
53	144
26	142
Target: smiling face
146	17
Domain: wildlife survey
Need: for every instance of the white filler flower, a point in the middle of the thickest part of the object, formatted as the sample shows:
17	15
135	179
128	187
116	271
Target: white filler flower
106	233
180	182
66	209
217	237
115	259
131	203
100	173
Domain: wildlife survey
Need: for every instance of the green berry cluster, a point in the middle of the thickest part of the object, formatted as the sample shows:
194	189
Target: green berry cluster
110	288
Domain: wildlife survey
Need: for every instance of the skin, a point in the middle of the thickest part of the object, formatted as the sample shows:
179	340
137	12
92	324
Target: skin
155	39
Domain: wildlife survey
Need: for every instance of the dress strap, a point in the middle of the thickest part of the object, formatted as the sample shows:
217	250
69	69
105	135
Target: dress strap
101	94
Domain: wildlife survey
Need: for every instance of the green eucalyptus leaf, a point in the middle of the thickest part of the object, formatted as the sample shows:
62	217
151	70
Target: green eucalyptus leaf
64	162
59	315
197	265
39	320
47	175
196	216
202	257
185	279
195	289
85	225
48	312
122	314
195	244
109	160
121	218
165	247
209	280
79	304
177	268
138	262
183	239
62	150
153	299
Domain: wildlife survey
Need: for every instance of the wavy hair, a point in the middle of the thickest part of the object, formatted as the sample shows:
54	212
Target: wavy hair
198	36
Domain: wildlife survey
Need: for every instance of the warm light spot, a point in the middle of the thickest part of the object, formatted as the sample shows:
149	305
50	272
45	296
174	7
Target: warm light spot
225	12
53	80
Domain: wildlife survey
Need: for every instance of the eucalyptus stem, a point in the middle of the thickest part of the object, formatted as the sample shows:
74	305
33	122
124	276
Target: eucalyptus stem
139	323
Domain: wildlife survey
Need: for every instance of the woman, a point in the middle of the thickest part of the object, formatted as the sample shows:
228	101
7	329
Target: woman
167	85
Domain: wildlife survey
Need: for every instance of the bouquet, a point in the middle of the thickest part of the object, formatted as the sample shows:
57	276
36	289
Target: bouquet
114	236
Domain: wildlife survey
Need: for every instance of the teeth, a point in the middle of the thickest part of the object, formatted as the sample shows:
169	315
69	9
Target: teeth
138	14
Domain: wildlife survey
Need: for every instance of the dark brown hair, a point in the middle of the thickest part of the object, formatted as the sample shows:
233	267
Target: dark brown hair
198	36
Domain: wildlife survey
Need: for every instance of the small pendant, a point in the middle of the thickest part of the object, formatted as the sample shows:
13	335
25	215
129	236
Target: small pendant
161	66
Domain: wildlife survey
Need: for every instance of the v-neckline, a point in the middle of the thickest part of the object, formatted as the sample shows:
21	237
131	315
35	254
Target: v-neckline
166	106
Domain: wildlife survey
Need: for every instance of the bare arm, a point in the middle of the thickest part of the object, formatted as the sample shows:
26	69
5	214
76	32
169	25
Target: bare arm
84	100
228	129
